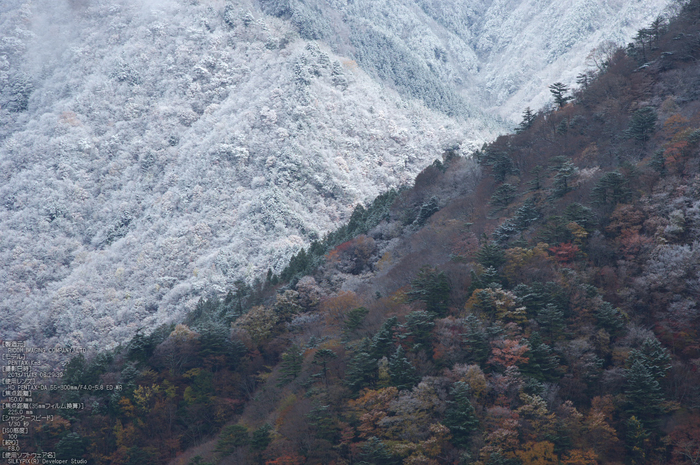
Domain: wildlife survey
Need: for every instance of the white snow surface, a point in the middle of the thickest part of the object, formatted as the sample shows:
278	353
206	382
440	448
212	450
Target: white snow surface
154	151
499	55
165	153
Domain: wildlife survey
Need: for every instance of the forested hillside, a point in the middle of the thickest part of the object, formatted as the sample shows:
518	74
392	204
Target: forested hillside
186	146
460	56
536	303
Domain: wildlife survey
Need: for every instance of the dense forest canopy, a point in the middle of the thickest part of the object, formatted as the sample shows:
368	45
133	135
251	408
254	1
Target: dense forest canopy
533	304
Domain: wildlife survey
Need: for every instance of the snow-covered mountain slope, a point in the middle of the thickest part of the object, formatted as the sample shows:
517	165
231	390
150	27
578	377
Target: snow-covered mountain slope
458	55
154	151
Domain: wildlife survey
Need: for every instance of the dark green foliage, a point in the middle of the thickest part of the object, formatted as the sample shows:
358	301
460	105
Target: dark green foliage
237	300
555	231
610	189
206	309
537	296
141	346
551	319
71	446
503	196
79	371
401	371
538	177
559	91
491	255
528	119
653	356
504	232
196	460
427	210
362	370
353	320
300	264
526	215
475	340
375	452
261	438
15	96
419	325
139	455
215	341
432	288
383	340
610	318
579	214
562	180
642	124
658	162
636	441
361	221
643	393
523	218
542	361
460	416
231	438
321	358
499	161
323	420
562	127
291	363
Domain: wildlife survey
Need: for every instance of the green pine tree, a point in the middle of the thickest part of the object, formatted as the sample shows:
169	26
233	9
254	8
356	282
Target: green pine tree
433	288
636	439
562	180
353	320
643	392
503	196
261	438
559	91
292	361
491	255
362	370
419	325
321	358
230	438
642	124
610	189
610	318
526	123
460	416
401	370
654	357
383	340
476	340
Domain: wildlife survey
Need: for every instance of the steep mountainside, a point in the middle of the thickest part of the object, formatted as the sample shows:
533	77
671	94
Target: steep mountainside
180	147
534	304
458	55
155	150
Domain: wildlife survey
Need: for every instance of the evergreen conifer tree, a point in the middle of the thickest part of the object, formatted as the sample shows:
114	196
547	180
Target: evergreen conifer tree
433	288
261	438
362	370
401	370
383	340
292	361
558	91
643	392
642	124
460	417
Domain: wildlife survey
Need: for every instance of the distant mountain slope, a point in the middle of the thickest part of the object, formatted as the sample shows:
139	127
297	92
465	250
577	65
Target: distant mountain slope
458	55
154	149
